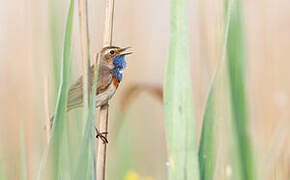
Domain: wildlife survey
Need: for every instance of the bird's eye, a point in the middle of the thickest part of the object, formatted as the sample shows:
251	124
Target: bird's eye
112	52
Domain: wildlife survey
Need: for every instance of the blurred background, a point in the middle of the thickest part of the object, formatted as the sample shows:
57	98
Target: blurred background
31	44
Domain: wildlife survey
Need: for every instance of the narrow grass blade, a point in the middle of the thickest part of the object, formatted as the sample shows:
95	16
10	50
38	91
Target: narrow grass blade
55	34
178	104
92	117
86	167
57	136
207	147
84	32
236	65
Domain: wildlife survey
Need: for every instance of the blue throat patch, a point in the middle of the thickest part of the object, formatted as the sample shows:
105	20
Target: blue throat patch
120	64
118	74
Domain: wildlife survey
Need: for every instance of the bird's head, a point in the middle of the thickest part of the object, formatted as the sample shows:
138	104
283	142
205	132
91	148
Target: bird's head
114	58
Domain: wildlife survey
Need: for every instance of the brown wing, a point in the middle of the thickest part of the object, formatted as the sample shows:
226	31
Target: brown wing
75	94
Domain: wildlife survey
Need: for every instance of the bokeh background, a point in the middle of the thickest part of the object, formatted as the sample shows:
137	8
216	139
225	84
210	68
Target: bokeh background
31	41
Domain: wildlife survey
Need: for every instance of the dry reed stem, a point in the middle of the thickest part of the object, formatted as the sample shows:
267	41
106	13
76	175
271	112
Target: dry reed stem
83	13
109	23
103	115
101	157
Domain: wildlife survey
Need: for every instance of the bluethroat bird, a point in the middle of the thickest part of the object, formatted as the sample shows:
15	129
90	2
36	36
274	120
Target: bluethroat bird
112	64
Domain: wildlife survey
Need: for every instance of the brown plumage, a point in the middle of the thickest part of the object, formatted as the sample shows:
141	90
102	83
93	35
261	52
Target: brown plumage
107	81
75	94
105	77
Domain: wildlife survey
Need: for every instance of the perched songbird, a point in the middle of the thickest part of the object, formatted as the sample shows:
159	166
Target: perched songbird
112	63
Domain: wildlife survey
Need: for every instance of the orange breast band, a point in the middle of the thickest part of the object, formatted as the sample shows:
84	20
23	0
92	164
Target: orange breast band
115	81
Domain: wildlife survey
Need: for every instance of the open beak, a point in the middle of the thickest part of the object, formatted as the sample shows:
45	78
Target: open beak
124	51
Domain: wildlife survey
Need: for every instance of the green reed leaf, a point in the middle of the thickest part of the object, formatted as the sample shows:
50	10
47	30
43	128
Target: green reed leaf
178	104
208	141
57	131
207	147
236	64
86	165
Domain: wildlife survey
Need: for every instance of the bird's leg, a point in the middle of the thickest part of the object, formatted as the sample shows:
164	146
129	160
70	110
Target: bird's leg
102	136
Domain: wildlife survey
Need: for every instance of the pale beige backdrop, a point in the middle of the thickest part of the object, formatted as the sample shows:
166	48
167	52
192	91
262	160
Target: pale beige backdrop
144	25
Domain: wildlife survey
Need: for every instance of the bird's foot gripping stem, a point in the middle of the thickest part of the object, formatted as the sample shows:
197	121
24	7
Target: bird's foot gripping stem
102	136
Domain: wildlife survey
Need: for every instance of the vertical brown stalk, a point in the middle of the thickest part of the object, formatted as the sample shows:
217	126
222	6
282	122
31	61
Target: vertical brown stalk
101	157
103	115
83	13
